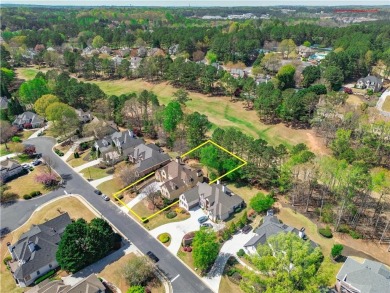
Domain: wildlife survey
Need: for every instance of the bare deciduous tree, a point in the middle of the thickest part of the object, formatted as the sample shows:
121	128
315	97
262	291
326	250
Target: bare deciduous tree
126	174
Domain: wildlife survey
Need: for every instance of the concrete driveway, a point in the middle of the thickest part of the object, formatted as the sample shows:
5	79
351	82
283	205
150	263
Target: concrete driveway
178	229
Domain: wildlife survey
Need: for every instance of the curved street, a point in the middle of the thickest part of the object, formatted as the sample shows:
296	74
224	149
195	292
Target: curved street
12	216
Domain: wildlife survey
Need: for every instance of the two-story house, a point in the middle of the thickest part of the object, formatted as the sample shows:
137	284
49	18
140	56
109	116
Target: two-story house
84	117
148	158
28	120
217	201
34	254
176	178
117	146
370	82
9	169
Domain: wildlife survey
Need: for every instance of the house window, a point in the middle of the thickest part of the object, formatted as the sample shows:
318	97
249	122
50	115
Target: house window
38	272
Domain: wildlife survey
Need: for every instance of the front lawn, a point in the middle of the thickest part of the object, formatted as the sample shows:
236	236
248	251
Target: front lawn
386	104
94	173
73	206
158	220
84	158
111	186
26	184
112	273
187	258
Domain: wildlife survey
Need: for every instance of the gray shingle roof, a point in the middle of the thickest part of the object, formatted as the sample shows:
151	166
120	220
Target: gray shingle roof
28	117
372	79
367	276
192	194
44	239
271	226
3	103
8	165
152	156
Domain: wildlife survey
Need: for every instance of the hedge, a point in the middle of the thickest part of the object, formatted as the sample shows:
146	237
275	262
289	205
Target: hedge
241	253
355	235
116	198
7	259
45	276
171	215
27	196
164	237
35	193
326	232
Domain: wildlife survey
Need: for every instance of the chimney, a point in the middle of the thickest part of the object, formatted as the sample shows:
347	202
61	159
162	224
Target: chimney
218	182
301	233
199	173
224	188
31	246
178	160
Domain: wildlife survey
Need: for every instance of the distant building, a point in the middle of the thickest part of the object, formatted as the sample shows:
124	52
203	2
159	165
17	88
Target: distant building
236	73
176	178
105	50
83	116
135	62
3	103
218	202
370	82
117	146
34	254
173	50
305	52
363	276
90	284
271	226
28	120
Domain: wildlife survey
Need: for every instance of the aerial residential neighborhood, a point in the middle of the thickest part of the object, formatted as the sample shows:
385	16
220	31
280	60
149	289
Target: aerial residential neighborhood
194	147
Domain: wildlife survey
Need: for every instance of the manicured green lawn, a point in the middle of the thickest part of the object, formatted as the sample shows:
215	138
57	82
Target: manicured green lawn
95	173
79	161
111	186
26	184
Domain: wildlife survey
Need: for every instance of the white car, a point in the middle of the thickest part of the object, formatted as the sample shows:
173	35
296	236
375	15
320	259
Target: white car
25	166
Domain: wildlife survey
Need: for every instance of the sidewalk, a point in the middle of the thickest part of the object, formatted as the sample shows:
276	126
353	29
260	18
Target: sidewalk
35	134
89	164
74	147
97	182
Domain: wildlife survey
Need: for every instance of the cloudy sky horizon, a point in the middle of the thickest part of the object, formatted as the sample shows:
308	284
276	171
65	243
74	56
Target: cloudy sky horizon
198	3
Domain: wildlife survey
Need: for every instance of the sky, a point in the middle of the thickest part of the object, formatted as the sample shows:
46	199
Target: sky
199	3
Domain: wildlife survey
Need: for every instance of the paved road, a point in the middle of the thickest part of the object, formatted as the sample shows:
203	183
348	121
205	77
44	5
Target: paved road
185	281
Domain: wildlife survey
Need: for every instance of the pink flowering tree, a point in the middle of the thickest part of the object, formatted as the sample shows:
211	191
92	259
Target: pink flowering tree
47	179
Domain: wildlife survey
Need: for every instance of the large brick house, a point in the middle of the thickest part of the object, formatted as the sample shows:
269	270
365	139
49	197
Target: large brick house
176	178
28	120
9	169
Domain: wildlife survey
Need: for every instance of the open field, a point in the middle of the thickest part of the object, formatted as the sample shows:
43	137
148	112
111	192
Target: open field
220	111
26	184
73	206
112	274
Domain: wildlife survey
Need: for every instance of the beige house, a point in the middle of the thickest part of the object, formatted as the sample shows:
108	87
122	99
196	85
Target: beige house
176	178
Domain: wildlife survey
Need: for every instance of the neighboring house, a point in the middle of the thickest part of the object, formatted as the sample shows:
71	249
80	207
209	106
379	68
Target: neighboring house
3	103
124	52
216	200
117	146
153	52
90	284
102	128
9	169
148	158
217	66
271	226
83	116
28	120
236	73
34	254
141	52
359	275
117	60
105	50
135	62
305	52
370	82
176	178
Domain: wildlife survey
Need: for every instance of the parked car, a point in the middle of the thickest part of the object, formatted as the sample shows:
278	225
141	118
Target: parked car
348	90
202	219
105	197
152	256
207	225
36	162
98	192
246	229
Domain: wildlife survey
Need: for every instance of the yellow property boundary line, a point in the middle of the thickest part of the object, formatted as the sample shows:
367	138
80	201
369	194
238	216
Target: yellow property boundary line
152	173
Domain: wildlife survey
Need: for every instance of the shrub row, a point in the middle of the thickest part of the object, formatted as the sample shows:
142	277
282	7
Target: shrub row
120	196
7	259
58	152
32	194
45	276
241	252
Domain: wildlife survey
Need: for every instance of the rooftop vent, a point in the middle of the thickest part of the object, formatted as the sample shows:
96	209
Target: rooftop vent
31	246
